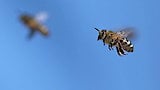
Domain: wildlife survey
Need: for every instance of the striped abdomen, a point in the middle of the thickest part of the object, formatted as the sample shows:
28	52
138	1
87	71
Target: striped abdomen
126	45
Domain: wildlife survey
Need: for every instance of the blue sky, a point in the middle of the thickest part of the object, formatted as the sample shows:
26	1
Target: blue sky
72	58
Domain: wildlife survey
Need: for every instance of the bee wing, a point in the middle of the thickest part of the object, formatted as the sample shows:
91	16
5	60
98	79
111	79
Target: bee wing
41	17
127	32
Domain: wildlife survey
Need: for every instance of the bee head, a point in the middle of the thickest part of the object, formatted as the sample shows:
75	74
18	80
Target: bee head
102	34
25	18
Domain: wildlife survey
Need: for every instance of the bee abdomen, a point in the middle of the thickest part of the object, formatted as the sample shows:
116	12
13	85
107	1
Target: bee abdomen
43	30
127	45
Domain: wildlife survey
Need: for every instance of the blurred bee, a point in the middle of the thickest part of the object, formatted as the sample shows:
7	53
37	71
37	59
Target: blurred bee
34	25
117	39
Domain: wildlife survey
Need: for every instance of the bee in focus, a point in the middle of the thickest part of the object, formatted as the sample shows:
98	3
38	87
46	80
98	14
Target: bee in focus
34	25
117	39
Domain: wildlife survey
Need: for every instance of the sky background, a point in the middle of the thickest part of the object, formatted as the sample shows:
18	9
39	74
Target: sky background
72	58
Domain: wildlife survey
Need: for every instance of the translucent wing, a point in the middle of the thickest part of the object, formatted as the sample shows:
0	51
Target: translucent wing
41	17
127	32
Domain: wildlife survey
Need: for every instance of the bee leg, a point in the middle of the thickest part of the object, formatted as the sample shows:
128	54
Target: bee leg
103	41
31	34
120	50
110	46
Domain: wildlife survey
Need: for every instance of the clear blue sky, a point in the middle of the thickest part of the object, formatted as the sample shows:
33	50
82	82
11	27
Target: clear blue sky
72	58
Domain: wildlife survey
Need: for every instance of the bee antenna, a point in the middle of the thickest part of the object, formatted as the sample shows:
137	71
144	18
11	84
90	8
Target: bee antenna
97	29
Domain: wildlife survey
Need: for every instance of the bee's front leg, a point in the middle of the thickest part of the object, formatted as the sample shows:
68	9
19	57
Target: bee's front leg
104	42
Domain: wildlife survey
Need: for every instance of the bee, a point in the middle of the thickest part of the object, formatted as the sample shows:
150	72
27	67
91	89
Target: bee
118	39
34	25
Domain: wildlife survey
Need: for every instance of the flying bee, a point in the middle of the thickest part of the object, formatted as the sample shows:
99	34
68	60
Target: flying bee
117	39
34	25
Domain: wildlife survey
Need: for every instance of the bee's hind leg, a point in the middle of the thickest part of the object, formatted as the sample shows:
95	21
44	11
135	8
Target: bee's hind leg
110	46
